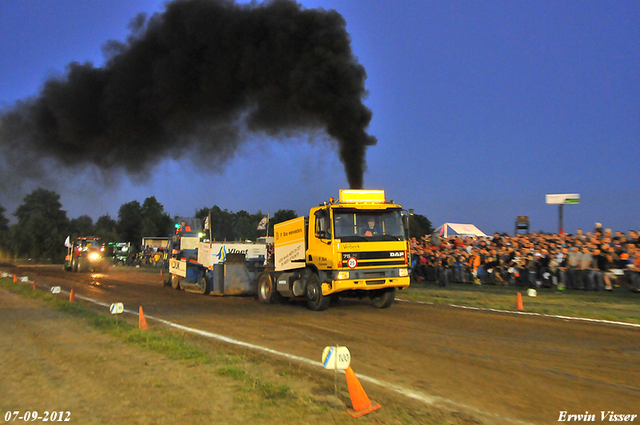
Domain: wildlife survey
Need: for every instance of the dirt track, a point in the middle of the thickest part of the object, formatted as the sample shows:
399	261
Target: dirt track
519	367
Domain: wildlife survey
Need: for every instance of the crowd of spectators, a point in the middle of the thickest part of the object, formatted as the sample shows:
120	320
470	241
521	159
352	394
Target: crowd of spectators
148	257
596	260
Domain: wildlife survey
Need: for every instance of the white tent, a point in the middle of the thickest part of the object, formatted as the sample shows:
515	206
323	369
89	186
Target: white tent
457	229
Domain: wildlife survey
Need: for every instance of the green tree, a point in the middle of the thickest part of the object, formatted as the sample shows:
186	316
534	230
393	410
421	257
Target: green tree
242	224
4	222
107	229
42	226
81	226
130	224
222	223
280	216
155	221
230	226
419	225
4	233
246	226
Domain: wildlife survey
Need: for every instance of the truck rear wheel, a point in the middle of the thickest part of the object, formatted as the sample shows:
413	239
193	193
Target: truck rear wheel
383	298
204	287
315	300
267	292
167	279
175	282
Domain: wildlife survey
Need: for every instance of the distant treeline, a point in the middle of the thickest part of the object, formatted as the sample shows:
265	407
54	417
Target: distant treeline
43	225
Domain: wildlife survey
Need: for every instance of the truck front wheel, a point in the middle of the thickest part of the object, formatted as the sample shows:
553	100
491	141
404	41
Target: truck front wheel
315	300
383	298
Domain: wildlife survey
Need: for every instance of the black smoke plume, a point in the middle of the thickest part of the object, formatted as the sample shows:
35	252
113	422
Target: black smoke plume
196	80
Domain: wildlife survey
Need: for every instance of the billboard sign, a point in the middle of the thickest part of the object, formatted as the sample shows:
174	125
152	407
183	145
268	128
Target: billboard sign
563	199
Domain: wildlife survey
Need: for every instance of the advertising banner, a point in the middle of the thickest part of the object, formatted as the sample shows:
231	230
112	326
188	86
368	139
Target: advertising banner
216	252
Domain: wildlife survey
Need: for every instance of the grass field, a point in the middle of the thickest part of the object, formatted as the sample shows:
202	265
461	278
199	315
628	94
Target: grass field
275	392
618	305
265	391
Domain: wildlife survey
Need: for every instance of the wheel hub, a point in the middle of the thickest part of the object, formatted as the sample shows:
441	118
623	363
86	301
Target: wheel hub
312	292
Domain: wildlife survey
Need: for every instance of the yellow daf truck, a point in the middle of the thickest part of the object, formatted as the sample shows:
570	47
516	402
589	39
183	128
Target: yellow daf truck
355	247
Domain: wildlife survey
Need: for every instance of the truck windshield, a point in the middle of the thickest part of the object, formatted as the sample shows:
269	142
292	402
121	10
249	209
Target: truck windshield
368	225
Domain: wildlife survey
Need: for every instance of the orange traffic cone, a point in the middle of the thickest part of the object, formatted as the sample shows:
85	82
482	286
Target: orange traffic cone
359	400
34	285
15	278
160	272
72	296
142	322
519	302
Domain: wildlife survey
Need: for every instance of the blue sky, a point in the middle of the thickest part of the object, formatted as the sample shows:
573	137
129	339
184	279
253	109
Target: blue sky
479	108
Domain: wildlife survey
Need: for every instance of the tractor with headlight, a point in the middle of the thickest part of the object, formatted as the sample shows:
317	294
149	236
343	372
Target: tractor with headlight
86	254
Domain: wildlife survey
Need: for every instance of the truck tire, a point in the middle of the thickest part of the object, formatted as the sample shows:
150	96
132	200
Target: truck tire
267	292
315	300
175	282
74	264
167	280
203	285
383	298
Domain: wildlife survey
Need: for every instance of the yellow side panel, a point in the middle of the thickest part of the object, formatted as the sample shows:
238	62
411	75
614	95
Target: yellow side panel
289	244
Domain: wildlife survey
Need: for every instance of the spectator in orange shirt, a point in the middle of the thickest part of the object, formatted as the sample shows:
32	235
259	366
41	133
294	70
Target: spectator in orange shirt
474	263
